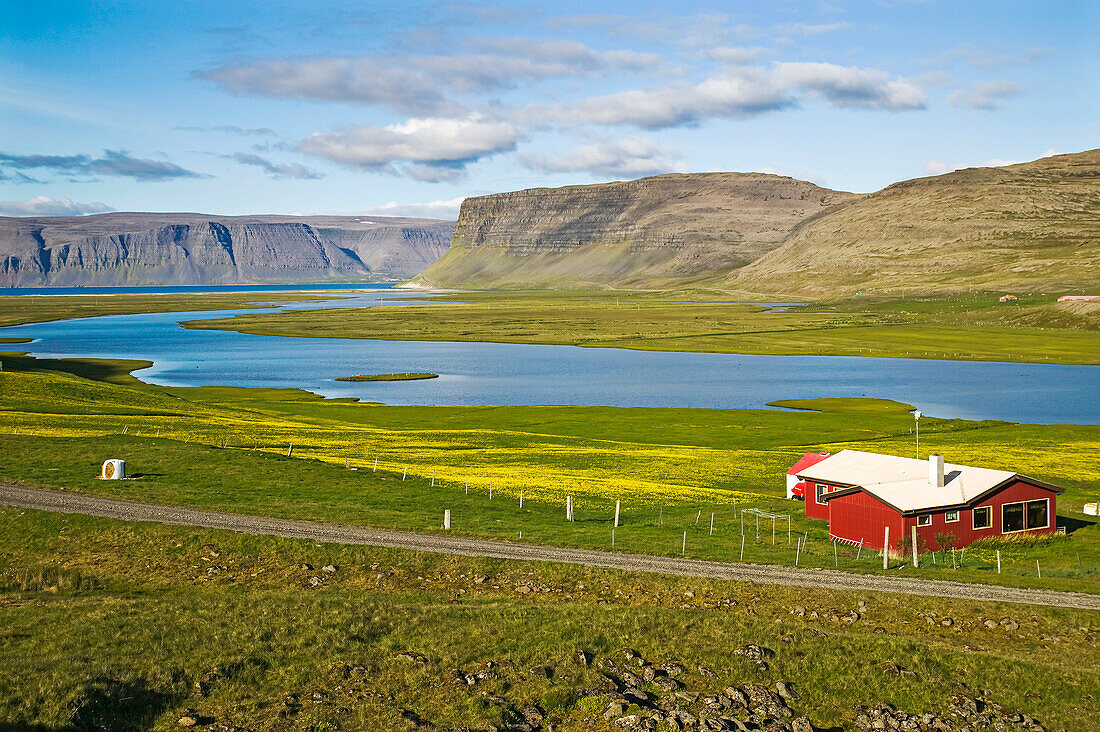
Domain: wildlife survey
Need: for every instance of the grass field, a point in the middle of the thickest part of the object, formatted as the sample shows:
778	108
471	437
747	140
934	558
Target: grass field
129	626
1033	328
388	377
19	309
123	626
228	449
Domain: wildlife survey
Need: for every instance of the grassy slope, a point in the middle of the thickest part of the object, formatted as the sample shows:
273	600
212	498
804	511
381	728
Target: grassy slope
129	625
1030	227
652	232
974	328
672	468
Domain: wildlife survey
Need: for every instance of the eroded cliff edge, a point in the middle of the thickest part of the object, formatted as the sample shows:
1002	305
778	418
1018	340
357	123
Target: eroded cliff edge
664	230
195	249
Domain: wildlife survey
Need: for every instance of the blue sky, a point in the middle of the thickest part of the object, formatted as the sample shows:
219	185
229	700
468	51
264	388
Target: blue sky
406	108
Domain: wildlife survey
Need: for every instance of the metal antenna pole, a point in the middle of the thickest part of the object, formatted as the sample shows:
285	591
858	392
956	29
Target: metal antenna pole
916	418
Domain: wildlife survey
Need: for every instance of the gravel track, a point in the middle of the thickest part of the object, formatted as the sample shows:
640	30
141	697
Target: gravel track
114	508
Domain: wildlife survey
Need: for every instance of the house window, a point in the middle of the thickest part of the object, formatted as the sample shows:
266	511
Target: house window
924	520
821	491
1024	516
983	517
951	516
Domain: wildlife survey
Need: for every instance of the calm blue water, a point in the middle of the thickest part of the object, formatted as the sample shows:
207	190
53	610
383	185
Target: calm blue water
507	374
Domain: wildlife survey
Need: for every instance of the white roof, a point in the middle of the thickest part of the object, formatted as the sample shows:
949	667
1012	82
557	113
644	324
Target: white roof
903	482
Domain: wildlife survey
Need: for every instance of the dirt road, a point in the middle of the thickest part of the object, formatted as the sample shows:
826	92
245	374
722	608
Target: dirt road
65	502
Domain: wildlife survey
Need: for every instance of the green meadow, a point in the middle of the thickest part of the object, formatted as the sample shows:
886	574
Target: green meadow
1033	328
116	625
291	454
131	626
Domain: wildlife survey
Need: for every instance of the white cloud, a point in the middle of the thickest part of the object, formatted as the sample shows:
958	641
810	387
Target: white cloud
739	92
735	93
421	85
429	149
47	206
988	60
447	210
987	95
632	157
938	167
850	86
807	30
276	170
735	55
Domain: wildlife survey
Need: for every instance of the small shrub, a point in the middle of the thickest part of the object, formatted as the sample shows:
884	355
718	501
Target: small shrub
947	540
44	579
1018	541
559	700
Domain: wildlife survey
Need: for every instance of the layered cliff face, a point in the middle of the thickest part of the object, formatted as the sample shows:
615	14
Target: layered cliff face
669	229
185	249
1032	227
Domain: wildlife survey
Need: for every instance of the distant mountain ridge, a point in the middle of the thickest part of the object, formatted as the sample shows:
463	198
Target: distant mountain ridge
190	248
1031	226
667	229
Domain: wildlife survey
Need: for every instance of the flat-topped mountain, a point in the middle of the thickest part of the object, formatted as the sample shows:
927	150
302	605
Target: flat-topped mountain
190	248
1034	227
667	229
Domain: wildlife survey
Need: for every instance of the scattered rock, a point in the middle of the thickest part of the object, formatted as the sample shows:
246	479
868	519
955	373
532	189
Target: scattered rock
411	656
801	724
187	720
533	715
706	672
329	568
583	658
786	690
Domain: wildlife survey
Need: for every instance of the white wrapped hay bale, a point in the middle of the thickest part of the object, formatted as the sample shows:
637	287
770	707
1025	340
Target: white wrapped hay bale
113	470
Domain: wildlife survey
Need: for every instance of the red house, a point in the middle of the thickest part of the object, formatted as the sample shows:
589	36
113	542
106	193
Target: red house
795	487
862	493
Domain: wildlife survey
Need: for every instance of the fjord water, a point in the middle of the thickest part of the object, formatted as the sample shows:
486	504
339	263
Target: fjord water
513	374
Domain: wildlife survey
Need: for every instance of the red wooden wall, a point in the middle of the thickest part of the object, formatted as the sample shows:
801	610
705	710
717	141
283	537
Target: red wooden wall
860	516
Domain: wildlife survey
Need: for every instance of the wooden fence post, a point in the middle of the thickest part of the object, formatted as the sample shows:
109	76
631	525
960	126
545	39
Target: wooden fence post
618	501
406	472
916	556
886	549
999	561
447	519
684	548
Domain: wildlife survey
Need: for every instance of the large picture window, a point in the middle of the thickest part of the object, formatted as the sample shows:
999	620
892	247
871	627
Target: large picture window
1024	516
983	517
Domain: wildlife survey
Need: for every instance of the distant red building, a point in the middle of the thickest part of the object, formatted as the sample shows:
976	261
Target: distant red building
796	488
861	493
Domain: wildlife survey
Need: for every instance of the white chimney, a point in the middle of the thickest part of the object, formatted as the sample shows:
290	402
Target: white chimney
935	471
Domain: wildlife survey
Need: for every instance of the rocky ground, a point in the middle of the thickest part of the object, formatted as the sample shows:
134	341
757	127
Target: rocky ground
630	692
